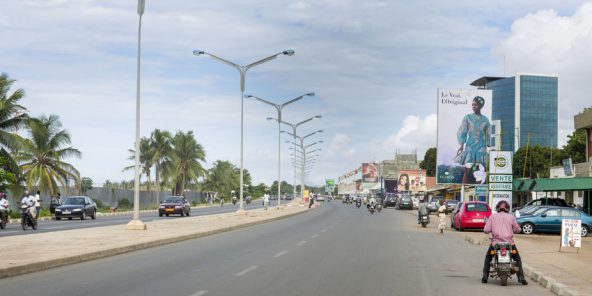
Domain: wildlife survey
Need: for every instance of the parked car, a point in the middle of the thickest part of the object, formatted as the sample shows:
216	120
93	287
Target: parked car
472	214
433	205
548	219
390	201
545	201
76	207
415	203
450	205
174	205
453	214
405	202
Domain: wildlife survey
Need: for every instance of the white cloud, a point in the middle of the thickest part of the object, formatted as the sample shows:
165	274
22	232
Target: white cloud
416	134
299	5
341	144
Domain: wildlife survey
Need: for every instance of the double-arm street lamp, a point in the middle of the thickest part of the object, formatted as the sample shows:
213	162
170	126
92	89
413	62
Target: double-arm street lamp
294	127
279	108
136	223
303	148
243	72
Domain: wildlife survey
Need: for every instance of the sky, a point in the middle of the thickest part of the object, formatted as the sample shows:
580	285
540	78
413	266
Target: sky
374	66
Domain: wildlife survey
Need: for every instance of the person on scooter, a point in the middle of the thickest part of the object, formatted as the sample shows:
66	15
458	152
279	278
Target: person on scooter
372	202
3	207
422	211
502	227
29	201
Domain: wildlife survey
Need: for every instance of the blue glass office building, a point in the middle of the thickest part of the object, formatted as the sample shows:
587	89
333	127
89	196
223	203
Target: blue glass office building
526	106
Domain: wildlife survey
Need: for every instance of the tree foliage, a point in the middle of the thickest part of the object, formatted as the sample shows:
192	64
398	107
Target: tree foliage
86	184
429	162
537	164
576	146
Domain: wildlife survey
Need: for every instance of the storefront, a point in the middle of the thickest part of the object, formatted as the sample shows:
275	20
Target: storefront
576	191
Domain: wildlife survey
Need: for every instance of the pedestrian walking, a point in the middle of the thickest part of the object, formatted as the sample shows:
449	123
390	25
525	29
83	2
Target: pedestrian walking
442	216
265	200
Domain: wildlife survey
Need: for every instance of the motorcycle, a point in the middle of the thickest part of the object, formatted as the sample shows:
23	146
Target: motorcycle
27	218
358	203
371	208
424	220
234	201
379	207
502	265
3	219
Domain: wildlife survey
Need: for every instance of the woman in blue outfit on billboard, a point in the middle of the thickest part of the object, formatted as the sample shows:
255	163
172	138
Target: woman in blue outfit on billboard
473	136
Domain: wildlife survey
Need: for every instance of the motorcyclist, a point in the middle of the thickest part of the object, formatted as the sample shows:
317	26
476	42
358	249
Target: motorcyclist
422	211
502	227
3	207
372	202
233	200
29	201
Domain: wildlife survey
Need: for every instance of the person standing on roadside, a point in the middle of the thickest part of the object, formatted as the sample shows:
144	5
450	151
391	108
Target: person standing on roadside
266	200
37	199
442	216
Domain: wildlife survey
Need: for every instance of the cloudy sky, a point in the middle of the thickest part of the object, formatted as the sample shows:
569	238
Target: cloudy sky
374	65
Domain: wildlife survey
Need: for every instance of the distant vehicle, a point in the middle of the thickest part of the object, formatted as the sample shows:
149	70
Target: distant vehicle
433	205
472	214
415	202
405	202
450	205
541	202
320	198
76	207
390	201
548	219
453	215
174	205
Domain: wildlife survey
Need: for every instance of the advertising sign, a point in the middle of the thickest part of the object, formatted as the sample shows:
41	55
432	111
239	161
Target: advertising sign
571	233
390	185
481	192
567	167
463	135
500	186
369	173
495	197
412	180
500	162
329	185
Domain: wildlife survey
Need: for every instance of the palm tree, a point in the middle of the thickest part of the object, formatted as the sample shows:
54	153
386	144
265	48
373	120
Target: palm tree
12	117
146	161
41	158
160	144
184	164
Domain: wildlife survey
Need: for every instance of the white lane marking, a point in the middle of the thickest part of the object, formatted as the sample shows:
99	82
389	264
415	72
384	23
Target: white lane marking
314	236
280	254
301	243
324	230
331	226
199	293
247	270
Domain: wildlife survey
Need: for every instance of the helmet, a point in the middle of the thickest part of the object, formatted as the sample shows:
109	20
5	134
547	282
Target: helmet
502	206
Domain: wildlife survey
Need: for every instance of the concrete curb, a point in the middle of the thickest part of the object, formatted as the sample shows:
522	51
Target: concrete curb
39	266
537	276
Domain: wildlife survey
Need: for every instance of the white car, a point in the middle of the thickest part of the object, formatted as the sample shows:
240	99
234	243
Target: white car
415	203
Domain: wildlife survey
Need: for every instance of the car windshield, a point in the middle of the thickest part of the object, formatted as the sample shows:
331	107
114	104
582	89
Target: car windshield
74	201
172	200
477	207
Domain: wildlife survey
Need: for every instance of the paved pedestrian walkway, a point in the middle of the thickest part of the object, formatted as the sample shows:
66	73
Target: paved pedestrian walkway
38	251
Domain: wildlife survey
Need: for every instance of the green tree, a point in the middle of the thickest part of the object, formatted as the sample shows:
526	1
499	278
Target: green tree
6	178
222	178
285	188
41	158
184	164
576	146
429	162
12	118
86	184
145	161
161	146
538	163
258	190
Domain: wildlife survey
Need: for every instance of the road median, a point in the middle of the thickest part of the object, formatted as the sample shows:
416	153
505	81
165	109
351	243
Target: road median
40	251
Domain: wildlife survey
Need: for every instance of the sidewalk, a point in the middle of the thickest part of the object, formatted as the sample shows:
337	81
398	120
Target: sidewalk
29	253
542	261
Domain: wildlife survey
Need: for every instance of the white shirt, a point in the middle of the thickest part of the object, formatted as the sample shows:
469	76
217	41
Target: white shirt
36	199
4	204
28	200
266	197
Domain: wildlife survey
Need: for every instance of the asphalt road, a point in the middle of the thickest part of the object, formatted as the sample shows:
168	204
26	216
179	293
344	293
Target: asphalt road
335	250
65	224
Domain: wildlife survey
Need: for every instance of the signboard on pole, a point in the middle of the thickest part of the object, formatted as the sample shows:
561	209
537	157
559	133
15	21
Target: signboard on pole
500	162
571	233
329	185
497	196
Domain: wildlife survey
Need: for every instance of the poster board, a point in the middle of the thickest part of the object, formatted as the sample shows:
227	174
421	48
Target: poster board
571	234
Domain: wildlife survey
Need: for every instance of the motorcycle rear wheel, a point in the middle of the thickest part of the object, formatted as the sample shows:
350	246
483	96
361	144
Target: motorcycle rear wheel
504	280
423	224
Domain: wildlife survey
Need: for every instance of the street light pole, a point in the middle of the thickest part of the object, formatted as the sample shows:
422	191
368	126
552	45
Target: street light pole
279	108
304	157
136	223
243	72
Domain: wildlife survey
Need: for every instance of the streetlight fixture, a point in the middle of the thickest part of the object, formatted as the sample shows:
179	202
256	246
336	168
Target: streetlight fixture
304	155
243	72
279	108
136	223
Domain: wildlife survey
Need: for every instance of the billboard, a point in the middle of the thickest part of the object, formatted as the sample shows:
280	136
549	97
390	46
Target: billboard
464	131
329	185
369	173
390	185
412	180
500	162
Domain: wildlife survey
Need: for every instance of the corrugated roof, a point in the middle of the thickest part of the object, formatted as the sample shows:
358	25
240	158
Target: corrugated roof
562	184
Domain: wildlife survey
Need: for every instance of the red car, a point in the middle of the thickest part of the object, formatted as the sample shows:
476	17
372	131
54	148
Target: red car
472	214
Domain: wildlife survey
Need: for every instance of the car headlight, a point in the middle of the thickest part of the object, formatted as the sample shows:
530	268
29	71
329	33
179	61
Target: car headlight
76	210
58	210
178	207
162	207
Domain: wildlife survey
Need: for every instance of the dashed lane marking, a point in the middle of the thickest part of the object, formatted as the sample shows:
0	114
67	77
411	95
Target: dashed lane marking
301	243
280	254
314	236
247	270
199	293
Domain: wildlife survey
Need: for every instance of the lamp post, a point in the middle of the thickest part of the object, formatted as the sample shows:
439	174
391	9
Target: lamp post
279	108
304	155
294	127
136	223
243	72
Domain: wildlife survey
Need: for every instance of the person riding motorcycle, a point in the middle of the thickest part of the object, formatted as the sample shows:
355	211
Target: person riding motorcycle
29	201
3	207
502	227
372	202
422	211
